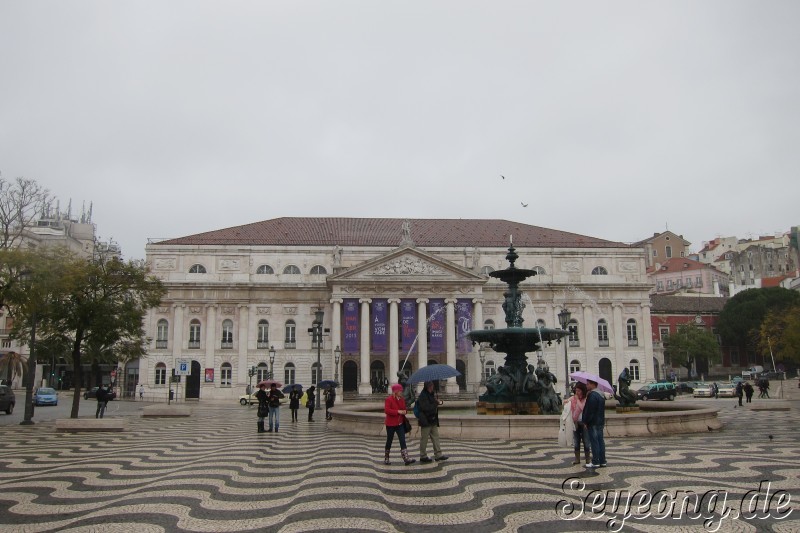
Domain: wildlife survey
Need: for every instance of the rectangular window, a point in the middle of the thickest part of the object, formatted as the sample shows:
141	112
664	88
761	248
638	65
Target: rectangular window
663	332
660	286
634	372
288	375
698	281
161	376
225	379
574	366
602	334
573	335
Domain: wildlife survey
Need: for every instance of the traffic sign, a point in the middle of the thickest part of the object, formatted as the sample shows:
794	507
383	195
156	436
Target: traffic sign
184	368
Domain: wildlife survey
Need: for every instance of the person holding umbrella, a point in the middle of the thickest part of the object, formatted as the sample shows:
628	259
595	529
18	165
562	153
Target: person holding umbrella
263	408
594	420
395	410
274	400
330	400
428	420
311	395
294	401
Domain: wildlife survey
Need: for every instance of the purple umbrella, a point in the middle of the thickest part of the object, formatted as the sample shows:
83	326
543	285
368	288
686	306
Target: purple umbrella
583	377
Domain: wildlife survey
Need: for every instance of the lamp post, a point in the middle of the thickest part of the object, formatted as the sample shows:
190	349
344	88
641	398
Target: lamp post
563	320
337	356
26	277
482	357
251	373
271	361
317	332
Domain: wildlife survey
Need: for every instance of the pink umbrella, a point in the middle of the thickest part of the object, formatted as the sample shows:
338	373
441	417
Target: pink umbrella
583	377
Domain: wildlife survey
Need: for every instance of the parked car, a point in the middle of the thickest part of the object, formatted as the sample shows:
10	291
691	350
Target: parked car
684	387
7	399
703	390
45	396
248	399
772	375
92	393
727	390
657	391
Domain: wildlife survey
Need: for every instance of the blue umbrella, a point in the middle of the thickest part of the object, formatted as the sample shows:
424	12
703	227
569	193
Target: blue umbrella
327	384
433	373
293	386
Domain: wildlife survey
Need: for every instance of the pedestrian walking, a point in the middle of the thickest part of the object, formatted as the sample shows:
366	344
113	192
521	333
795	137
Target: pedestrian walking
748	392
739	392
311	394
294	403
395	410
594	420
274	397
428	408
764	389
715	389
574	407
263	406
103	396
330	400
141	391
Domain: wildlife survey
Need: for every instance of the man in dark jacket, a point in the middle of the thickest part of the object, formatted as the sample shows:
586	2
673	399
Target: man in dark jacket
274	397
429	424
594	419
103	396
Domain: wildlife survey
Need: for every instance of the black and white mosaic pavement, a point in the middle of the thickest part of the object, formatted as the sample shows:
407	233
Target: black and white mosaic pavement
213	472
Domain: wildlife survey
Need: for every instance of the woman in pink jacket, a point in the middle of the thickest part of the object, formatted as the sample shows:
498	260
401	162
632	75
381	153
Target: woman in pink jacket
577	402
395	409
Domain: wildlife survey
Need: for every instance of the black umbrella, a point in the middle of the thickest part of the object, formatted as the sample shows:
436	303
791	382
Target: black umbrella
293	386
433	373
327	384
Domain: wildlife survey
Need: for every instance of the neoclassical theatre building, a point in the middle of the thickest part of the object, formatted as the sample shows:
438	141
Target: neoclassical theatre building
395	294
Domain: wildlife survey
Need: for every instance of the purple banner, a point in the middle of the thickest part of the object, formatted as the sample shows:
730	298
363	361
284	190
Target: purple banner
437	321
379	336
463	325
350	326
408	324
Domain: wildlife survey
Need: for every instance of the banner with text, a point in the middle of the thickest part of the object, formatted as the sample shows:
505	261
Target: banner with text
350	327
379	331
408	324
463	325
436	322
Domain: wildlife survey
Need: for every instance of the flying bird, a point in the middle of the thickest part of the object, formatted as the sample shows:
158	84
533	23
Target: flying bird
524	205
502	176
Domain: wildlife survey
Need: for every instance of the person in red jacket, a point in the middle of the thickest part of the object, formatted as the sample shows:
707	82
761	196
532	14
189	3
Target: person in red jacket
395	410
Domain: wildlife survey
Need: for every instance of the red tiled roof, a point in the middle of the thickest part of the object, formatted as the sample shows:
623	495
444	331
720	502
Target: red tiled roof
318	231
774	281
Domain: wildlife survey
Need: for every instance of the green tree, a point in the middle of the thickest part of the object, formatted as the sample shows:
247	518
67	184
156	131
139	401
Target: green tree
97	311
780	334
740	320
690	344
11	363
21	201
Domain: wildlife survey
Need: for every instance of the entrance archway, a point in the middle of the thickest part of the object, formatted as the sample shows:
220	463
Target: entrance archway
193	382
349	376
604	369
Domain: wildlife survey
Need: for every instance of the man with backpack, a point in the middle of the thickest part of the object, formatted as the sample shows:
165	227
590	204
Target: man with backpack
426	409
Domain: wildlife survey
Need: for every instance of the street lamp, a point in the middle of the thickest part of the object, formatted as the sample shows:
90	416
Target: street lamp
26	277
337	356
482	356
563	319
251	373
317	332
271	361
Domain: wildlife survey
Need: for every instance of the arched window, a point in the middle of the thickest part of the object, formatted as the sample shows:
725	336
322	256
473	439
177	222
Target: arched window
265	269
291	269
197	269
161	374
288	373
162	333
225	375
572	327
291	331
486	270
263	334
599	271
633	368
194	333
488	324
602	332
574	366
318	270
633	339
540	271
489	369
262	372
316	374
227	334
540	323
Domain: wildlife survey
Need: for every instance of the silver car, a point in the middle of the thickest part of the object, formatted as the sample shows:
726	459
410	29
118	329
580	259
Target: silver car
703	390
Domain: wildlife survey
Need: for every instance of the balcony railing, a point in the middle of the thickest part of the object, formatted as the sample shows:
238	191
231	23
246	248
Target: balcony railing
602	342
633	342
194	345
161	345
226	345
290	345
574	343
262	345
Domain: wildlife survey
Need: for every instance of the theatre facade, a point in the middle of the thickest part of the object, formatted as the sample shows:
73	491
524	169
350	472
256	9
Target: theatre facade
395	295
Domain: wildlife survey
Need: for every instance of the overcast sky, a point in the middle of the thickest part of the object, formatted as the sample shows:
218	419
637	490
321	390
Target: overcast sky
609	119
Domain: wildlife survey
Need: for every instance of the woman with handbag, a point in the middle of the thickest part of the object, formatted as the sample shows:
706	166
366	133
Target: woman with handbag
395	409
263	407
311	394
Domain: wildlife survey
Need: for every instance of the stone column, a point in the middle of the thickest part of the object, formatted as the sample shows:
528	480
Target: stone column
452	386
620	341
590	334
394	348
364	387
646	369
473	360
177	332
422	335
244	345
211	330
336	340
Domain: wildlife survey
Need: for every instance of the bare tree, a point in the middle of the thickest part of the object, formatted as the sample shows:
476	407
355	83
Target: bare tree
21	201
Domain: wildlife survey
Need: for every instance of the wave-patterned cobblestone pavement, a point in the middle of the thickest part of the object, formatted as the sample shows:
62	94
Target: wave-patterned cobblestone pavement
212	472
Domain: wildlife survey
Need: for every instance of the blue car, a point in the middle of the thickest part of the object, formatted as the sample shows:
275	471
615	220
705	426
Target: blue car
45	396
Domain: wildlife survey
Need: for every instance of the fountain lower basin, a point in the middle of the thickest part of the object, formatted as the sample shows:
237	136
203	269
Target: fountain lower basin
654	418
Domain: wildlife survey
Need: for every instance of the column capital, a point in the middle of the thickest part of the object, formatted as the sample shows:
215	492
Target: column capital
645	305
423	300
243	306
211	306
617	305
337	300
586	305
393	300
176	306
451	300
365	300
478	300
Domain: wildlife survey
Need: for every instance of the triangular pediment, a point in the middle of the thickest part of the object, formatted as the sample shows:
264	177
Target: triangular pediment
404	264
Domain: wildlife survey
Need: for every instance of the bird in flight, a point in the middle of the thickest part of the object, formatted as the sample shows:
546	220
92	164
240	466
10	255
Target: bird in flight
502	176
524	205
